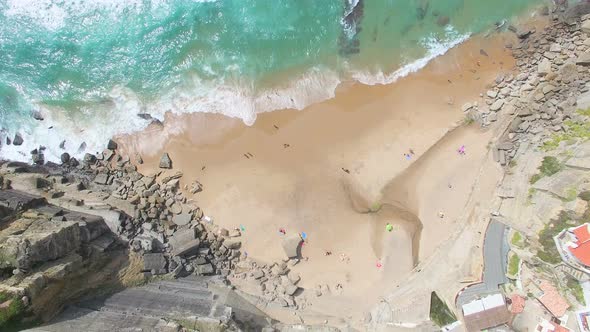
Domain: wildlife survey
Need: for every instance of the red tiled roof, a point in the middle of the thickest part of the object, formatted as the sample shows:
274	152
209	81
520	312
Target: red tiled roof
582	253
582	250
517	304
552	300
582	233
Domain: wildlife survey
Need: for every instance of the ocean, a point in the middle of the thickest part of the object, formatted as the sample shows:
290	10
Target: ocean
89	67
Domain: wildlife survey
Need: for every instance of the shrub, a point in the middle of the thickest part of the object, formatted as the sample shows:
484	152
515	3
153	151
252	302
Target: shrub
440	313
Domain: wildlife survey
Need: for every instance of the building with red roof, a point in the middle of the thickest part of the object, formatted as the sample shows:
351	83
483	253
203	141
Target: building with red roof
573	245
552	300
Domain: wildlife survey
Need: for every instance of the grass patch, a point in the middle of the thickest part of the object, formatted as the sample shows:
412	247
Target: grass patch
575	289
574	131
571	194
12	312
548	251
512	163
513	265
440	313
585	112
468	120
517	239
549	166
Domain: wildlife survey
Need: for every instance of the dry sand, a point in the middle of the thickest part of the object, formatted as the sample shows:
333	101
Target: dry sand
303	187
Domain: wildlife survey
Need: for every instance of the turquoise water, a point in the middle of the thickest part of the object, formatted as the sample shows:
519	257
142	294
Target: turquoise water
91	66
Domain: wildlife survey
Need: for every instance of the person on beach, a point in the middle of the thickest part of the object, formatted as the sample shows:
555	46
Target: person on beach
328	253
461	150
441	215
282	231
412	152
389	227
408	156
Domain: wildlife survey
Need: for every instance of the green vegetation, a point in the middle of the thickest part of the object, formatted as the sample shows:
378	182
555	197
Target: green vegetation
10	313
517	240
549	252
513	265
512	163
468	120
575	131
571	194
585	112
549	166
576	290
440	313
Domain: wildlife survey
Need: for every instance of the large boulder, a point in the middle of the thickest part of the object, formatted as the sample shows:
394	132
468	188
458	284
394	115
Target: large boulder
65	158
184	242
18	139
165	161
292	246
112	145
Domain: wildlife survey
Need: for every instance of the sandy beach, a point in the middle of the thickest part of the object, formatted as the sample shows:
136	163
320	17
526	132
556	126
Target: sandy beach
321	170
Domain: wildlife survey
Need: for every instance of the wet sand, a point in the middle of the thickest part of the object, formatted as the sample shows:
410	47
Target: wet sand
321	170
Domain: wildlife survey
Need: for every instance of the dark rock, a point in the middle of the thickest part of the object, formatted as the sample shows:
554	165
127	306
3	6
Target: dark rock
8	141
523	34
62	145
82	147
89	158
112	145
80	186
37	116
18	139
165	161
145	116
65	158
38	158
74	162
41	183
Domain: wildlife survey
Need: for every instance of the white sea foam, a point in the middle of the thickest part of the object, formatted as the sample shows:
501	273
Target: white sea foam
119	116
53	15
435	47
238	99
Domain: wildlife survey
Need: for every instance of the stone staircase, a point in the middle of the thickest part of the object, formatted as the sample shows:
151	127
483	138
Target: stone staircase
158	306
563	269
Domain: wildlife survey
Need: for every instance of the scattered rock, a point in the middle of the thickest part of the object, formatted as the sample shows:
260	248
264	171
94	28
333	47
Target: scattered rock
37	116
182	219
544	67
18	139
112	145
165	161
65	158
497	105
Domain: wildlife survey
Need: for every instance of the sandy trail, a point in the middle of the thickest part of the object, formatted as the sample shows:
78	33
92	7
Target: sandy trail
342	157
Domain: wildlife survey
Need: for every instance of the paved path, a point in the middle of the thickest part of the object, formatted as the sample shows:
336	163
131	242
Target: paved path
495	262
